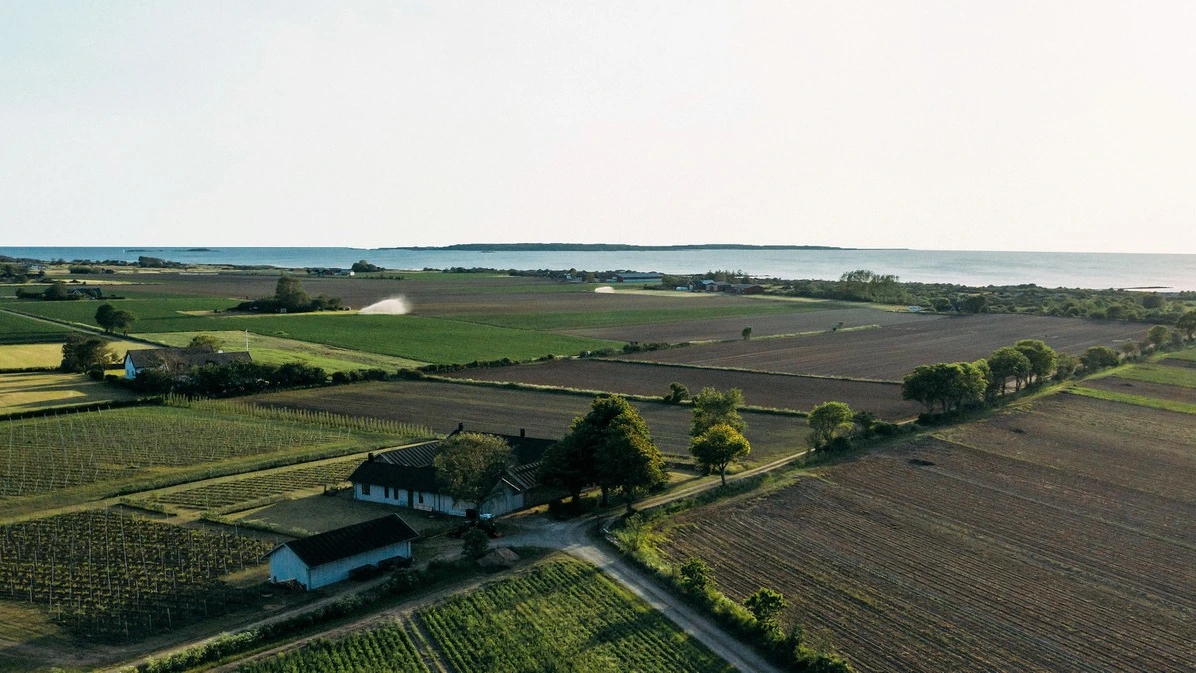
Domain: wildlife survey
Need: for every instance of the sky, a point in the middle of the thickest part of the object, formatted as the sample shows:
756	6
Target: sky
1056	126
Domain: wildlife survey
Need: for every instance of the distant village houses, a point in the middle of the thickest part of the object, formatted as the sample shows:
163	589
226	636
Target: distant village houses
732	288
178	360
406	478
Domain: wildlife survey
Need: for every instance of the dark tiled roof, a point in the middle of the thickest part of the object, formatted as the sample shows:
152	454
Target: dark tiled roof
184	357
523	478
359	538
407	477
420	455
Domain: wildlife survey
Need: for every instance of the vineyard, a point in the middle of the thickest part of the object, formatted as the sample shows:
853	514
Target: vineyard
107	576
562	615
236	491
65	450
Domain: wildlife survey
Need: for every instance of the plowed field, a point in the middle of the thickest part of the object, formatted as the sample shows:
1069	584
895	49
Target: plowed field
1160	391
766	390
889	353
723	329
1062	538
543	414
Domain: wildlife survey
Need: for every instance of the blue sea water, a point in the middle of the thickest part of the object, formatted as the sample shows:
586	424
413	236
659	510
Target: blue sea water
1048	269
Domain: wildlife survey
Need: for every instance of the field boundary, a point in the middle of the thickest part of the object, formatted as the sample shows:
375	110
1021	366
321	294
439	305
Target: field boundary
823	377
1135	400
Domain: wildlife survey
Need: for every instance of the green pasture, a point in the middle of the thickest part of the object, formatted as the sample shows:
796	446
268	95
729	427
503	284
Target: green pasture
420	338
153	315
1137	400
685	310
16	329
1154	373
1187	354
277	350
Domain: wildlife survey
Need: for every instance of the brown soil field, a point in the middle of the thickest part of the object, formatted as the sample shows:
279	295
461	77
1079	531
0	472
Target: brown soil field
1176	362
889	353
1159	391
1028	548
543	414
777	391
725	329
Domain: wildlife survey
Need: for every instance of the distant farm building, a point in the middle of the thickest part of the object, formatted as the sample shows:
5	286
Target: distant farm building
332	557
406	478
635	278
90	292
178	360
708	285
745	288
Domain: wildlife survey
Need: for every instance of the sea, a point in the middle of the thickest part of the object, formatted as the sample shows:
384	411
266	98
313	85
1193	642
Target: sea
1164	272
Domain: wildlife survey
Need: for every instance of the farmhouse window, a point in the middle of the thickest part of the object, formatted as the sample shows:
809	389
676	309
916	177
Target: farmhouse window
421	497
386	492
365	489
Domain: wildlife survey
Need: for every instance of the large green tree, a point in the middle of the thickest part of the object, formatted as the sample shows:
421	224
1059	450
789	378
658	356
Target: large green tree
825	419
1158	337
114	319
1041	356
950	385
1008	363
628	459
81	353
470	464
289	294
1099	357
718	447
712	408
1187	324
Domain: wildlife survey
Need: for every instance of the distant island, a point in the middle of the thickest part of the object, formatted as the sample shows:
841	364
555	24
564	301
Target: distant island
607	247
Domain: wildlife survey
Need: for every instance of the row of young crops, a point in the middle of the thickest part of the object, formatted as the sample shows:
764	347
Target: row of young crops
44	454
325	419
226	493
106	575
559	616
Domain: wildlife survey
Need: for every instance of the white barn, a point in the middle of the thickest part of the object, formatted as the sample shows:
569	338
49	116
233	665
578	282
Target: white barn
328	558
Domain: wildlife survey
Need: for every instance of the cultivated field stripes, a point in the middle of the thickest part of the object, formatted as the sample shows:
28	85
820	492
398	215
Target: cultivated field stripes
560	615
108	576
232	492
905	585
889	353
775	391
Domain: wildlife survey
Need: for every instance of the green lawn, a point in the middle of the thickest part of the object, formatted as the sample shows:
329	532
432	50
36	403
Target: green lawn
1153	373
563	615
277	350
420	338
684	311
1137	400
15	329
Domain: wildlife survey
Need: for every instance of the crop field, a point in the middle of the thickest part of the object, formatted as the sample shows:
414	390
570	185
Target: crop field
40	455
827	317
889	353
31	391
20	356
1158	373
620	309
765	390
543	414
107	576
560	615
277	351
1056	538
1156	391
17	329
248	489
153	315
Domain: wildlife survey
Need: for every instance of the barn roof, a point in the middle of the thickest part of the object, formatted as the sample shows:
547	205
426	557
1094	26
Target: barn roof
406	477
184	357
343	543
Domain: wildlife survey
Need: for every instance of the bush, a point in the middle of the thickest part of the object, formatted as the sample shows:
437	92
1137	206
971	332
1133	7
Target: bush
95	374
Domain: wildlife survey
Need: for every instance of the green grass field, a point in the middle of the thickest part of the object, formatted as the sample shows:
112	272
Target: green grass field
695	310
1153	373
421	338
16	329
1187	355
1137	400
277	350
20	356
562	615
30	391
153	315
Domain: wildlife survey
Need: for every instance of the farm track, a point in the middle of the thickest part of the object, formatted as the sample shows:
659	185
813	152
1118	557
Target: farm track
891	352
767	390
943	556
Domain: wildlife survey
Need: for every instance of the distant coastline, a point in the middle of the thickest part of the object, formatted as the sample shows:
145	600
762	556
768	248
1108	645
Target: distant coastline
607	247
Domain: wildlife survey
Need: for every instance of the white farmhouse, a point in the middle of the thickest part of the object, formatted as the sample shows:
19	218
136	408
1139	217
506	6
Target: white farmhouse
328	558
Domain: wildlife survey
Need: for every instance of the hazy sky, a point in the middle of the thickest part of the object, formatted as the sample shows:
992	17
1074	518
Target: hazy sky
952	125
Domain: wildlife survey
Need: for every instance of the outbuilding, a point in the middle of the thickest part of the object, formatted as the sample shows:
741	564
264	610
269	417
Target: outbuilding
328	558
178	360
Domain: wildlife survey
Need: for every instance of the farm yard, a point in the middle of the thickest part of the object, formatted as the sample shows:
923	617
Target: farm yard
560	613
543	414
759	389
818	316
106	576
889	353
1054	537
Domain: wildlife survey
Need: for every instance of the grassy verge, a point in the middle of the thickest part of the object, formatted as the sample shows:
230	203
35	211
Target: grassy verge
1137	400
